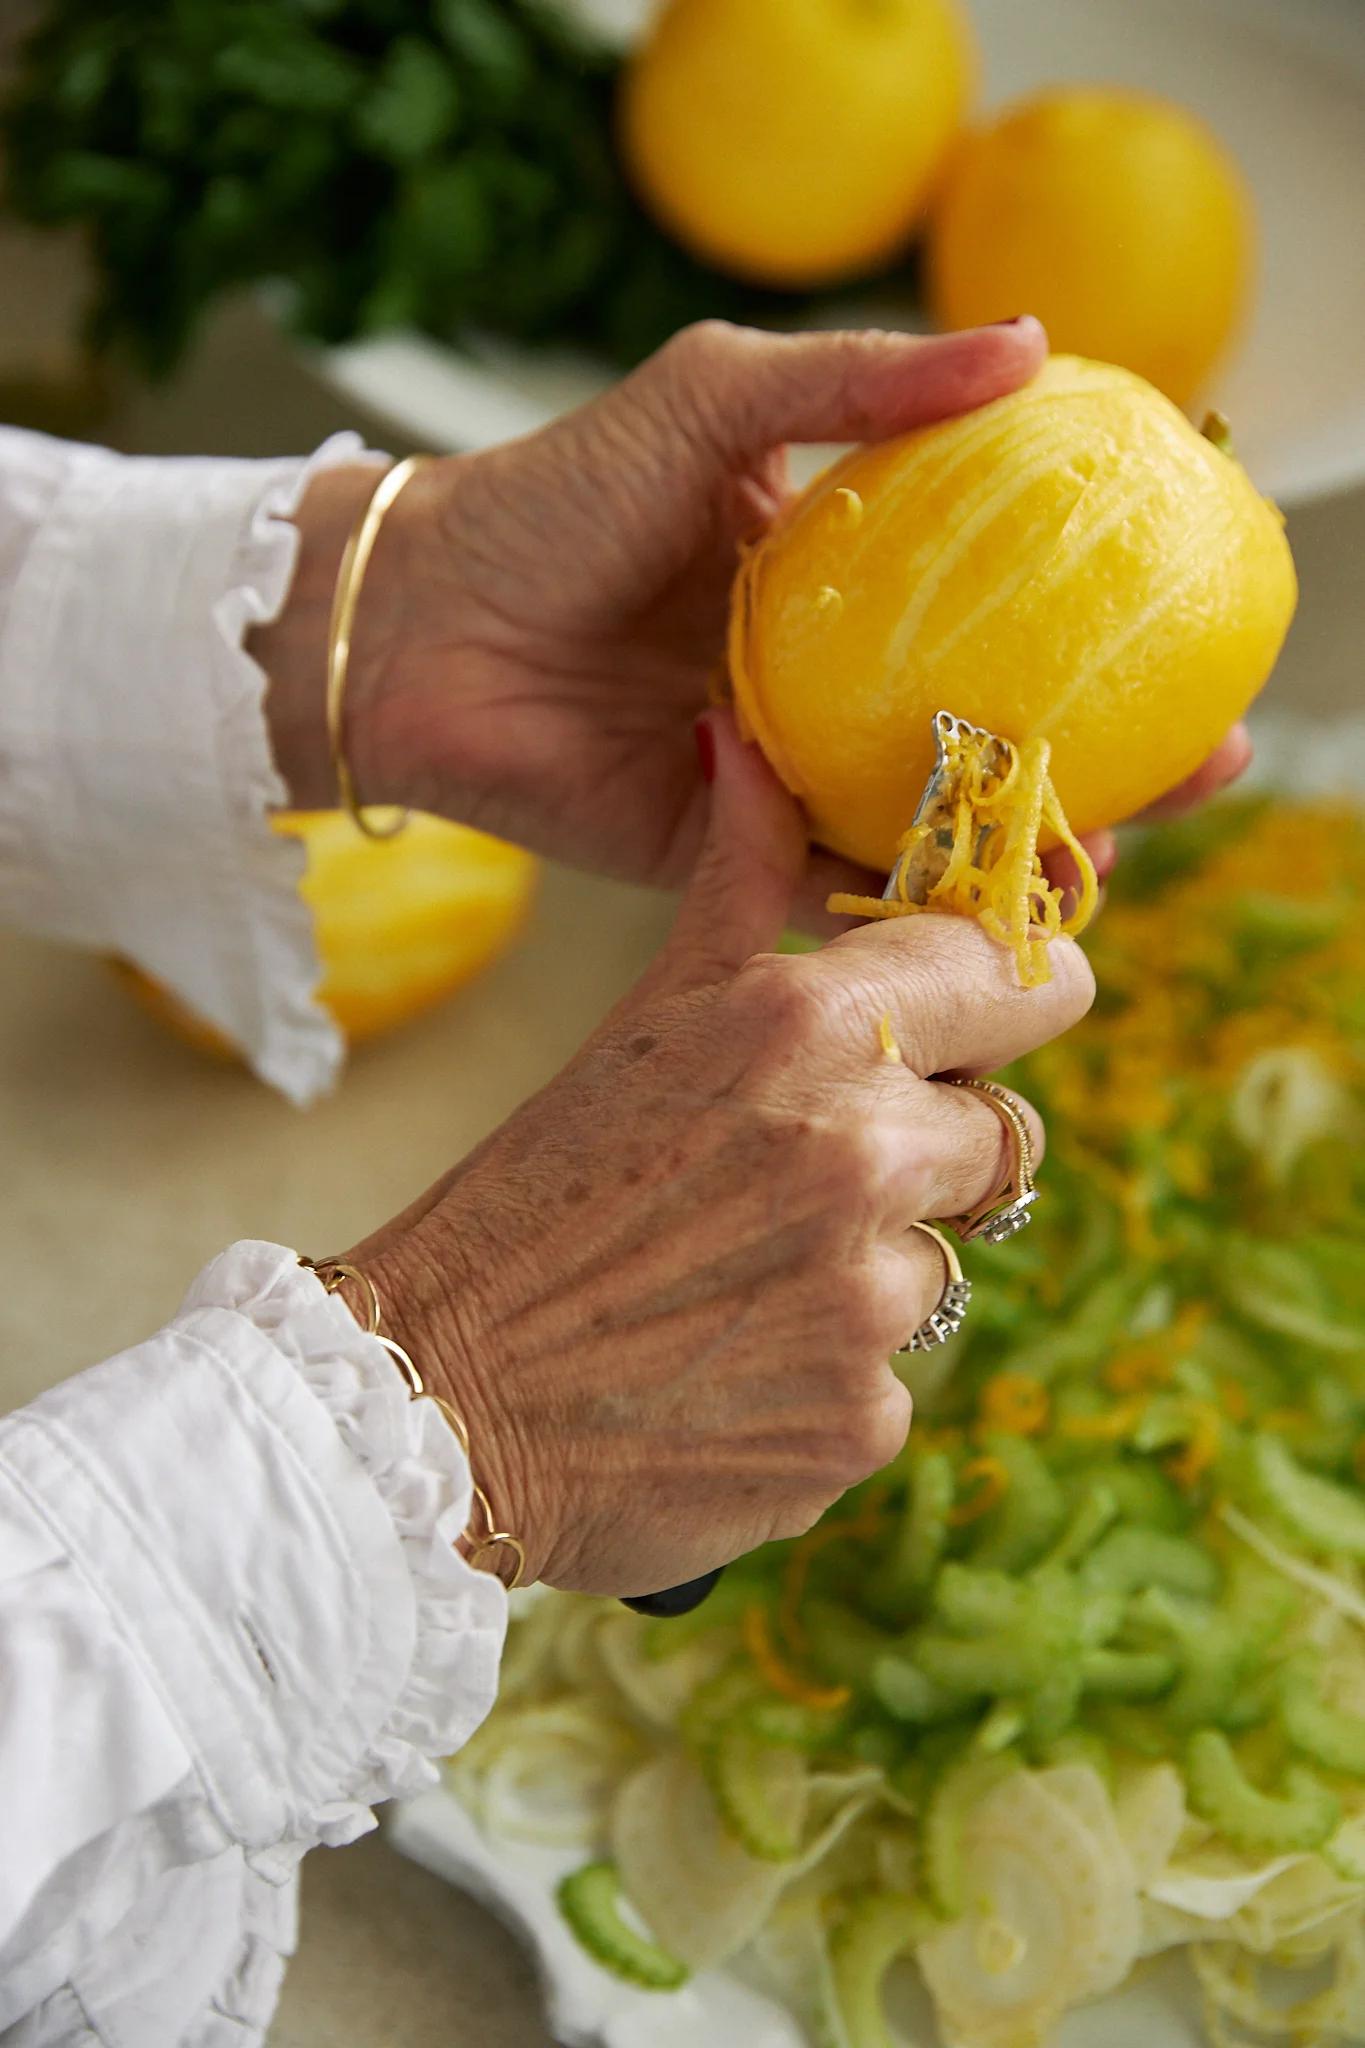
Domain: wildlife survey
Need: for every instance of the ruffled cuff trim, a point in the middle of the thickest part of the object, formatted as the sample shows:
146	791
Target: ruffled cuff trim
417	1468
289	1038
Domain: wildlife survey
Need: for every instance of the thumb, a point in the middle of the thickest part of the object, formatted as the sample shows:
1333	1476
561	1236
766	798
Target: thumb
747	873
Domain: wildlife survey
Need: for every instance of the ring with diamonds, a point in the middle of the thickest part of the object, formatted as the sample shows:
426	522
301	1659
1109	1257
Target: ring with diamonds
947	1319
1008	1210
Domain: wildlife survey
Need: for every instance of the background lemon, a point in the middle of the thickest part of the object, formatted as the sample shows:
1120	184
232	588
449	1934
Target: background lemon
400	922
793	142
1118	219
1074	561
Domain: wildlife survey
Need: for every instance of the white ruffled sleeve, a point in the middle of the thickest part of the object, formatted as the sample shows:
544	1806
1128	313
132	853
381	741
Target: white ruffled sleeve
231	1621
135	767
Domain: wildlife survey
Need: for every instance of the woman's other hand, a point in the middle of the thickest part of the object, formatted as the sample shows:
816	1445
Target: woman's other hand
665	1294
542	622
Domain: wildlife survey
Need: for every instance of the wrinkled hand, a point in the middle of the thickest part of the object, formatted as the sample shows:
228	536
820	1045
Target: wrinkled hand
542	622
665	1293
578	605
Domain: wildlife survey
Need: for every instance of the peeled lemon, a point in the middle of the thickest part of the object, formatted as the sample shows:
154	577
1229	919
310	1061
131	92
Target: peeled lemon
400	923
1074	562
793	142
1117	218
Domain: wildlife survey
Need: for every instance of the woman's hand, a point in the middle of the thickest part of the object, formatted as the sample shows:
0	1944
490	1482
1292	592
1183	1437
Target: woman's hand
541	622
665	1294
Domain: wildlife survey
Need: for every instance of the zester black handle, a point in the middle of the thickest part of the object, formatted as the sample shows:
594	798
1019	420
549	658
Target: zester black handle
677	1599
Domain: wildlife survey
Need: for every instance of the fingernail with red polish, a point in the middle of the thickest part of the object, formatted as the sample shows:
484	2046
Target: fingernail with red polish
706	749
1014	320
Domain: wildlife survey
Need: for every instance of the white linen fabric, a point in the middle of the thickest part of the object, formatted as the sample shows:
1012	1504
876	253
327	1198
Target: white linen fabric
231	1616
135	767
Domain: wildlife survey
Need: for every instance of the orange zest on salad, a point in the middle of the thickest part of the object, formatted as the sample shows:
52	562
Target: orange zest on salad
1107	1426
1193	1460
859	1528
989	1480
1015	1404
789	1684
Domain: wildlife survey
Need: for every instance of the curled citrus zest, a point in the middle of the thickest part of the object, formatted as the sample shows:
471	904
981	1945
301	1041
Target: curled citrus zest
1015	1403
993	872
990	1479
1107	1426
1193	1460
859	1528
1233	1396
1134	1371
887	1038
929	1436
789	1684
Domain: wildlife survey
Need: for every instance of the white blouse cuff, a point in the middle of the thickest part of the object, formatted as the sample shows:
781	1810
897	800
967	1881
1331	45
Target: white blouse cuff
272	1520
134	808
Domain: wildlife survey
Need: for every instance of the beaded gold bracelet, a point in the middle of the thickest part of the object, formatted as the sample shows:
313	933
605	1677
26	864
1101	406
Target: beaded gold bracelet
346	596
332	1273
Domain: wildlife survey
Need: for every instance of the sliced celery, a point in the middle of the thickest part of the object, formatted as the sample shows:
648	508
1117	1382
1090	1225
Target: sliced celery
1127	1674
973	1602
1301	1815
1277	1287
716	1703
1053	1705
908	1694
877	1929
756	1788
787	1724
1129	1559
590	1900
842	1645
1010	1661
1143	1493
1095	1511
907	1569
1322	1514
1029	1518
960	1787
1326	1735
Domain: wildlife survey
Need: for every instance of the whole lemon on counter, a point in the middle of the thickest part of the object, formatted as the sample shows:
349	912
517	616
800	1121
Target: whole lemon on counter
1074	562
1118	219
794	142
400	923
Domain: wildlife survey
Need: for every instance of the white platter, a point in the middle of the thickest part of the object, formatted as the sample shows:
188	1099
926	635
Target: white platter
586	2008
1282	80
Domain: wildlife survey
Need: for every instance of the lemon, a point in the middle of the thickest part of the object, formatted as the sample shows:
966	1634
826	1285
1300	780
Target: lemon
793	142
1074	562
400	922
1117	218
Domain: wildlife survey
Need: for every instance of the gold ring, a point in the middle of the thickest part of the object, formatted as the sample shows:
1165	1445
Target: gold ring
1006	1211
947	1319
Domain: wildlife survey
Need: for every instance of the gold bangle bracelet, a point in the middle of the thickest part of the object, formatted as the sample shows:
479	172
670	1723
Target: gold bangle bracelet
345	597
332	1273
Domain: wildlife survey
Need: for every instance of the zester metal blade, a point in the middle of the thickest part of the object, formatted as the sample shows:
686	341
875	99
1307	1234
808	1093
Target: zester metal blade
922	867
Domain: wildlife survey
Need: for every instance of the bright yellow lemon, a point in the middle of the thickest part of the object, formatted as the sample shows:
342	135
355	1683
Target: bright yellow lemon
400	922
794	142
1074	563
1117	218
